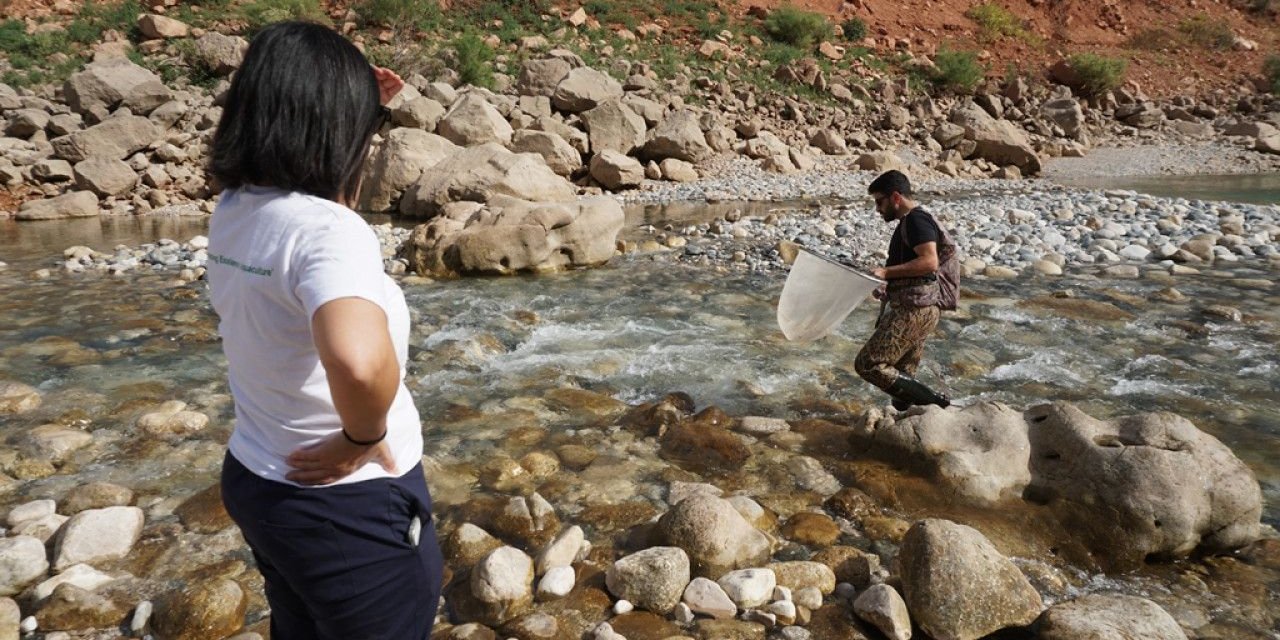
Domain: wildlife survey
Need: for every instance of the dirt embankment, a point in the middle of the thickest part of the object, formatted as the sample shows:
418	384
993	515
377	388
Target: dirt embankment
1156	36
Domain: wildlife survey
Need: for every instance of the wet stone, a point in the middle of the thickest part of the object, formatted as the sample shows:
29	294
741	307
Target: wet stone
17	398
469	543
71	608
210	610
98	534
33	510
852	504
96	495
728	630
643	625
816	529
849	564
22	561
576	457
204	512
534	626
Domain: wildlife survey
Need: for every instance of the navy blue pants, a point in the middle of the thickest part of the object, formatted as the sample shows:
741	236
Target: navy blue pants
339	562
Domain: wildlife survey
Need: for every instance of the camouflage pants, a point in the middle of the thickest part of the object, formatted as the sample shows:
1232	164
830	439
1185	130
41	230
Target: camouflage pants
897	344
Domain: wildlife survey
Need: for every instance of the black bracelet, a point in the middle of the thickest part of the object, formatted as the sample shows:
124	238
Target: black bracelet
363	443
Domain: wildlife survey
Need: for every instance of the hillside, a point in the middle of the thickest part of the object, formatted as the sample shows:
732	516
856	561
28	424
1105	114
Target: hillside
1174	47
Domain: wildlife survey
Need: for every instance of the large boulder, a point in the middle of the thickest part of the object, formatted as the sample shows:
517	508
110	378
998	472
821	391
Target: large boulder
652	579
419	112
472	121
511	236
1066	113
221	53
112	82
980	454
716	537
1108	617
680	136
615	127
105	176
614	170
585	88
958	586
1138	486
998	141
76	204
117	137
478	173
398	162
541	77
1145	485
555	151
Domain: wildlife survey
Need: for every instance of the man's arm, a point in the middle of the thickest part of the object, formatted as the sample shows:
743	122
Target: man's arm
925	263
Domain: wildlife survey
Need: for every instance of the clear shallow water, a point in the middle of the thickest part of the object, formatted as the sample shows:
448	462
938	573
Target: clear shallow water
639	329
1257	189
103	349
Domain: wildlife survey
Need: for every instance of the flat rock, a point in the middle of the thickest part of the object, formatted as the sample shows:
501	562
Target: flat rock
96	535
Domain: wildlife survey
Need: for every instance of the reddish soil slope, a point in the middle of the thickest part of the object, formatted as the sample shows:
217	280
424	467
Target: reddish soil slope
1065	27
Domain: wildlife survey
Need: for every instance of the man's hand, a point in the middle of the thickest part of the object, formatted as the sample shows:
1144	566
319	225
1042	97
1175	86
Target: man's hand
880	272
335	458
389	84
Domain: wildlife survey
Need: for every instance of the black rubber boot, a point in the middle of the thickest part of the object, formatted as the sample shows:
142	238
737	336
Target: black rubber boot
900	404
911	392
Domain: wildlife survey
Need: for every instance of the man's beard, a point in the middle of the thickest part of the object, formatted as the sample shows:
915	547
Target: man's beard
888	215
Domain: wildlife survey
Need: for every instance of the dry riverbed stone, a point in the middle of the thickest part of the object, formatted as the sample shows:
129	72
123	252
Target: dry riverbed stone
958	586
22	561
652	579
716	537
98	534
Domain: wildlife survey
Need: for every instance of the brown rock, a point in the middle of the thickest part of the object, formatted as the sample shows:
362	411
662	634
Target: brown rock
204	512
642	625
95	495
211	610
71	608
852	504
816	529
850	564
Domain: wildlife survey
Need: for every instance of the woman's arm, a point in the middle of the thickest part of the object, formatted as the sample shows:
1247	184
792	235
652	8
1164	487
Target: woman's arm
359	360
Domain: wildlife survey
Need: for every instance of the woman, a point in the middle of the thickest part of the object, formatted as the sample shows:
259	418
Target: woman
323	473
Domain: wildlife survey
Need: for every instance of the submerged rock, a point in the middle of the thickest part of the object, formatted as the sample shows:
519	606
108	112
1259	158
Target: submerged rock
211	610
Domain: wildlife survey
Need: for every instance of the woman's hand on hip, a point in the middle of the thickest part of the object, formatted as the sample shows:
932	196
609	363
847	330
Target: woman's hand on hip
389	84
335	458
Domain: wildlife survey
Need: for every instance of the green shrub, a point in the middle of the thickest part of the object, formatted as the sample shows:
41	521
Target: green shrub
797	27
392	13
119	16
1207	32
854	29
780	55
957	71
1271	69
473	58
26	51
261	13
1098	74
1154	39
996	21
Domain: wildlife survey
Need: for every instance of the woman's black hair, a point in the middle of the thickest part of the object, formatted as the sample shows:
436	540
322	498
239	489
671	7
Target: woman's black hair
299	115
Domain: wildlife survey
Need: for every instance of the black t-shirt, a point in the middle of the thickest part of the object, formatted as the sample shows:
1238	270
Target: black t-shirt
916	228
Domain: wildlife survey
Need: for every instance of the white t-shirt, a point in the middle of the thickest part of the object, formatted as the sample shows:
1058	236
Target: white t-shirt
274	258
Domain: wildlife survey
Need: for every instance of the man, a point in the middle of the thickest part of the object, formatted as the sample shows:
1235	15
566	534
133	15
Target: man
890	357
